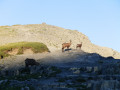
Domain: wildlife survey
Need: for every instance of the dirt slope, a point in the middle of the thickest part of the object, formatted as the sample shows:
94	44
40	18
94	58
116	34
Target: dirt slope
53	37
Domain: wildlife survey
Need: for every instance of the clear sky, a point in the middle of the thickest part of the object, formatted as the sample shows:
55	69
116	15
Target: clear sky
98	19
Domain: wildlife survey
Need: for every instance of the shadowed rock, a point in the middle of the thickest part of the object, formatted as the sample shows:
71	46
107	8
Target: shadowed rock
1	57
110	57
30	62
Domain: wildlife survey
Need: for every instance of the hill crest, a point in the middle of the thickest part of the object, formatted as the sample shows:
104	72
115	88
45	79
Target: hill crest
53	37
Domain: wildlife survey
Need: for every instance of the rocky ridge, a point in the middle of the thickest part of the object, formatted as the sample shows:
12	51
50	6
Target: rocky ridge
53	37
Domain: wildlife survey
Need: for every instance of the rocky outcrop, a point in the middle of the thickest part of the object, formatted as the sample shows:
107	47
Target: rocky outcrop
77	70
30	62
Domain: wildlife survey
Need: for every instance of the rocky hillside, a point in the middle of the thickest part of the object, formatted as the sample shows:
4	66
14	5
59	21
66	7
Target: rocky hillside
73	70
52	36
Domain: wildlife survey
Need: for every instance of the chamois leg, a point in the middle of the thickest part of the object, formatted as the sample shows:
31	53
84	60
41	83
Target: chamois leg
76	47
62	49
68	49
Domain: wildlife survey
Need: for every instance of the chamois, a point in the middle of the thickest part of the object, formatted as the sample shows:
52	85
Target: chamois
79	45
64	45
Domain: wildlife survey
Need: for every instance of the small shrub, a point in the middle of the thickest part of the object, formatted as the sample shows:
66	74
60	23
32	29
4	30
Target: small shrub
36	47
25	71
100	61
55	71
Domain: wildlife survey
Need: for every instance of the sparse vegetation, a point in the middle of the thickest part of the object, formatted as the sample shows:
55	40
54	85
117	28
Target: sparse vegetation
80	79
27	76
6	31
16	25
61	80
6	86
81	87
100	61
22	77
36	47
54	72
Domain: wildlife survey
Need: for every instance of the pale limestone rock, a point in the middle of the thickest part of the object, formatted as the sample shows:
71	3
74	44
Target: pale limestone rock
77	72
53	37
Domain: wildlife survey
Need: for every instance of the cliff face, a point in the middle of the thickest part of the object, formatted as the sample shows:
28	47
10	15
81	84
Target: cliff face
53	37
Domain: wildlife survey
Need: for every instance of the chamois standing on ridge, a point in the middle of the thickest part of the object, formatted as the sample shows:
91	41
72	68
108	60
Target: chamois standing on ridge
64	45
79	45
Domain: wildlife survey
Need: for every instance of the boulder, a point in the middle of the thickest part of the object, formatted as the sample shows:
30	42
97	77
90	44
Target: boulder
30	62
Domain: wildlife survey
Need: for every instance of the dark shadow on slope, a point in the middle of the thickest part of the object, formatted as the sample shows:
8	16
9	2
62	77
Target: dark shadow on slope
73	69
67	60
68	49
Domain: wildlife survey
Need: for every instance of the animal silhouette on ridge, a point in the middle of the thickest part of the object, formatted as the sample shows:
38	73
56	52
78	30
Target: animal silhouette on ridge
64	45
79	45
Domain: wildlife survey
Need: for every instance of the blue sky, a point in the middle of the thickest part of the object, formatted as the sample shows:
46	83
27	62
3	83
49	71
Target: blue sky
98	19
